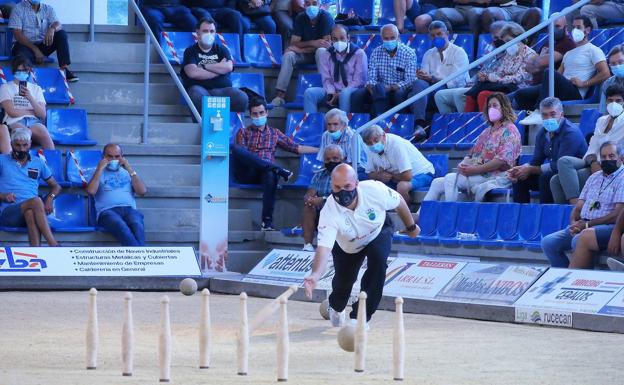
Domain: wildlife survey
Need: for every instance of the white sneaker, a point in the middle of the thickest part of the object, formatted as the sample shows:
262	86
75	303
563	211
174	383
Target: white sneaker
277	101
615	265
336	318
308	247
534	118
353	322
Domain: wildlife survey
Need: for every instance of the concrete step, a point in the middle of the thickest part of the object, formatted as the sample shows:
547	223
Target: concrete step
122	72
113	93
105	33
110	52
184	219
133	113
158	133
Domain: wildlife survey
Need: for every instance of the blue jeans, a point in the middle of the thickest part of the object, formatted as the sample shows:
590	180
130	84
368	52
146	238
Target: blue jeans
125	223
312	97
556	244
265	23
178	15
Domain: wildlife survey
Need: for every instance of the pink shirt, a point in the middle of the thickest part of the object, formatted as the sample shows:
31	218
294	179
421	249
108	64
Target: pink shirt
356	70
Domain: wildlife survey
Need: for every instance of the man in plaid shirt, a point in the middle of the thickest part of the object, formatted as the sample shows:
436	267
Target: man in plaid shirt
253	157
593	217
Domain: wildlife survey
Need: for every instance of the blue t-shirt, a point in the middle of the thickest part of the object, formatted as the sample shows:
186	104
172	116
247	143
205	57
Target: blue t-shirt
23	181
115	190
307	31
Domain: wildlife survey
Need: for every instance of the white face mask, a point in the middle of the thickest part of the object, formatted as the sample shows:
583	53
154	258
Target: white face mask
340	46
615	109
208	39
578	35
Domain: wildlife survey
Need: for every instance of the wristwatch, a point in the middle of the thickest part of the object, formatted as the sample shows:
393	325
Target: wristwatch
52	195
133	173
411	228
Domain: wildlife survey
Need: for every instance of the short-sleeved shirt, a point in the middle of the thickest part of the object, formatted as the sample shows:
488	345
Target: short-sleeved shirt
23	181
567	141
10	91
307	31
615	134
606	189
321	183
562	46
354	229
581	63
195	55
351	143
399	155
501	143
602	107
32	24
263	143
115	190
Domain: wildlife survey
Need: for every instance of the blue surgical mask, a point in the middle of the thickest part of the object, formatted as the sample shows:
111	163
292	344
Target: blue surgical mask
439	42
618	70
377	148
336	135
312	11
113	165
35	2
390	45
21	76
550	125
259	121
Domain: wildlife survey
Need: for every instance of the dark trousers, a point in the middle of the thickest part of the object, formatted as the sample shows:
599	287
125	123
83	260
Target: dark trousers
541	183
228	19
529	98
382	100
178	15
526	97
264	23
59	44
249	168
347	267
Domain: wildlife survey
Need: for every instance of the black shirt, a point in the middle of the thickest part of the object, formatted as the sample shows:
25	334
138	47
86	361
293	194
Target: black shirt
307	31
195	55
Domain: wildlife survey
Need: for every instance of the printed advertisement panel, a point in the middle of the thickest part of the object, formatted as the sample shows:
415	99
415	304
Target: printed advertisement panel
282	267
578	291
325	283
419	278
544	317
615	306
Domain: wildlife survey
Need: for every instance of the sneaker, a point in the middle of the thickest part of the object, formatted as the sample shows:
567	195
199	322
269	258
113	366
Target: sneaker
336	318
267	226
353	323
615	265
308	247
277	101
534	118
70	76
285	174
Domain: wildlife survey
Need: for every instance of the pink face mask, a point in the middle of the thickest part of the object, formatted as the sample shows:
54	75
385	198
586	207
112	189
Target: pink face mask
494	114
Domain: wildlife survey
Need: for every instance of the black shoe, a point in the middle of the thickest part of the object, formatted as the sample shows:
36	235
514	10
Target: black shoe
419	133
285	174
267	226
70	76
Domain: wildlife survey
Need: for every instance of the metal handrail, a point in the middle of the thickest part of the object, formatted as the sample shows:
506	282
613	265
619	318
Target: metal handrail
478	62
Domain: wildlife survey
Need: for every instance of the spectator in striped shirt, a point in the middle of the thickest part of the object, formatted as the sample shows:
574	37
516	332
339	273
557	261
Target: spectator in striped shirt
319	190
253	157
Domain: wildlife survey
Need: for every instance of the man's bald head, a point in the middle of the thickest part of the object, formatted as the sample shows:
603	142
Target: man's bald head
344	177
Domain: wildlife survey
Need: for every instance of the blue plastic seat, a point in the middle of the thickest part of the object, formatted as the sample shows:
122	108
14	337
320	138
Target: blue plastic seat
305	129
53	158
551	221
174	44
71	214
236	123
557	5
440	164
506	225
447	217
487	217
589	117
428	220
257	54
308	165
439	128
52	82
472	132
484	44
253	81
87	162
591	97
362	8
601	39
457	129
386	15
399	124
528	226
420	43
6	41
357	120
616	34
304	82
232	42
465	41
368	42
69	127
465	223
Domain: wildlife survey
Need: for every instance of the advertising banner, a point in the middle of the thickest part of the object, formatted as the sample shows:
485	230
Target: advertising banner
282	267
578	291
544	317
490	283
215	150
615	306
419	278
119	261
325	283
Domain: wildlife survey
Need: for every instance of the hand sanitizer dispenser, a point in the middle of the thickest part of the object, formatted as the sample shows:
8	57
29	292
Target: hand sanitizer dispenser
217	122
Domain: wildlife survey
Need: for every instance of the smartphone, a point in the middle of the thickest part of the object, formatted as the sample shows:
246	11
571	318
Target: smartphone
23	84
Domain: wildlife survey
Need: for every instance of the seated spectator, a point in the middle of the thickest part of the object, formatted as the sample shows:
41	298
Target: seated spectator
557	138
343	69
522	12
591	226
158	12
454	99
114	185
573	172
310	38
339	133
284	13
583	67
320	188
421	13
396	162
37	33
495	152
391	78
601	10
20	206
463	13
257	12
253	157
206	69
616	64
23	103
506	74
223	11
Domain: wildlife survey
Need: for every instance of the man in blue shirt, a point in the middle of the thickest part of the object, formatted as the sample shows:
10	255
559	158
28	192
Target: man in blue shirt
19	183
113	186
310	36
557	138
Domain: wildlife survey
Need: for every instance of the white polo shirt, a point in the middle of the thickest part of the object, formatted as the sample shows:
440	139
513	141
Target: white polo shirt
399	155
354	229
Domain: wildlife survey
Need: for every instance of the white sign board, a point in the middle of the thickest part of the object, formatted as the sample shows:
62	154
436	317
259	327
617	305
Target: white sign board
615	306
98	261
419	278
325	283
544	317
282	267
578	291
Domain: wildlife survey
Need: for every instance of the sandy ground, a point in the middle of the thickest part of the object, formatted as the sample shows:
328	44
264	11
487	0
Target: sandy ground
43	342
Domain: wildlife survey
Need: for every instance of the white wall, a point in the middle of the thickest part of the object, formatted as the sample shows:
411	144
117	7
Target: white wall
77	11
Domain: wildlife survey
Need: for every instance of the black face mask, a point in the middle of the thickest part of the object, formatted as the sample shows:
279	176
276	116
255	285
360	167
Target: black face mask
497	43
330	166
559	33
344	197
609	166
20	155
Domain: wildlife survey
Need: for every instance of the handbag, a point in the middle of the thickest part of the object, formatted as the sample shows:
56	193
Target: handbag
247	10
